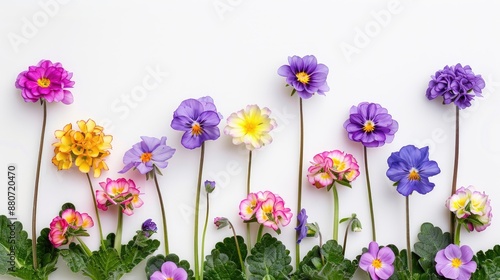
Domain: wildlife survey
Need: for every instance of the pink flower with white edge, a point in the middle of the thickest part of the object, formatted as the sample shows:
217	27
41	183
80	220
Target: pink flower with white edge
248	207
267	209
319	173
57	234
330	167
120	192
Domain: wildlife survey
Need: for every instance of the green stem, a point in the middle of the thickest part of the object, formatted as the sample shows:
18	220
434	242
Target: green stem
369	189
196	215
96	210
163	213
119	228
249	243
37	181
345	236
259	233
408	243
84	246
457	235
237	247
203	237
455	168
320	245
335	213
299	183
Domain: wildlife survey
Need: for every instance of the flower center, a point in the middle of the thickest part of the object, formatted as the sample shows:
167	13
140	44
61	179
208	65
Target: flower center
369	126
145	157
43	82
413	176
377	263
169	278
456	262
196	129
302	77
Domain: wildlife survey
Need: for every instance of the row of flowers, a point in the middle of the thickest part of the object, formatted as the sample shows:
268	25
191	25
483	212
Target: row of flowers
198	119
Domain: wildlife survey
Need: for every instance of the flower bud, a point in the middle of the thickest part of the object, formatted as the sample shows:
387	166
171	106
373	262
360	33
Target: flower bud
312	229
356	225
149	227
209	186
221	222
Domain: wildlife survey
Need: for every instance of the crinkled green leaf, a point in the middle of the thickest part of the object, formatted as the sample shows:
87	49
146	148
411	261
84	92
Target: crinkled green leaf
431	240
104	265
154	264
228	248
269	258
401	269
219	266
488	264
75	257
137	249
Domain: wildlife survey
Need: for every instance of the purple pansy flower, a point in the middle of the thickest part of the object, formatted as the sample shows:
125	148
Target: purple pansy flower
199	119
411	168
146	154
370	124
455	84
149	227
302	226
377	262
170	271
455	262
305	75
48	81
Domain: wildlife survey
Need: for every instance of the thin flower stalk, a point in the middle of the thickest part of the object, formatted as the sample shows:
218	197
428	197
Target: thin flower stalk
299	181
95	209
163	214
119	230
203	236
370	200
335	213
249	246
196	214
455	168
408	242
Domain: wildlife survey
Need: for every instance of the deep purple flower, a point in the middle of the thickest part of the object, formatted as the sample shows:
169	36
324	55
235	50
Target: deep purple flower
377	262
455	84
411	168
199	119
146	154
149	227
48	81
302	226
305	75
370	124
455	262
170	271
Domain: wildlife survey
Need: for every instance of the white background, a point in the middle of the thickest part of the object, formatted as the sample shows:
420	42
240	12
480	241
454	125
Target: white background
381	51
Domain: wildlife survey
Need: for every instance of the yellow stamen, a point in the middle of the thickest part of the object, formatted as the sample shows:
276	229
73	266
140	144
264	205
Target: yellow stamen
455	263
377	263
369	126
196	129
302	77
413	176
145	157
43	82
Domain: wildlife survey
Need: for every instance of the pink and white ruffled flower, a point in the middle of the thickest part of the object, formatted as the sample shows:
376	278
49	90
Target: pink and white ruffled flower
120	192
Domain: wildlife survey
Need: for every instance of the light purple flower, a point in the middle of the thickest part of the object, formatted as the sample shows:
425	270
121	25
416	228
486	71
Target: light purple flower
378	262
48	81
146	154
170	271
302	226
455	262
455	84
305	75
370	124
199	119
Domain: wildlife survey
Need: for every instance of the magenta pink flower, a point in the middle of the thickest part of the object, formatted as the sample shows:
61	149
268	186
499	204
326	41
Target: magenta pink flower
57	234
48	81
120	192
68	224
267	209
330	167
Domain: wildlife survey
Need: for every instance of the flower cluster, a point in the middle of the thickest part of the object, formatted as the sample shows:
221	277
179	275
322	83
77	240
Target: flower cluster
120	192
330	167
47	81
87	148
267	209
454	262
68	224
455	84
471	208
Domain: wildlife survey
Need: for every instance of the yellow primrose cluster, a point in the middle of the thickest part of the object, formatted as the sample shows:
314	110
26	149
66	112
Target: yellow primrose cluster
86	148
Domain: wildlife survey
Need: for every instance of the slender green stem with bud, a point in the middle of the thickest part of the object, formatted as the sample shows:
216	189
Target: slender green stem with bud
163	213
242	264
369	189
196	215
203	237
345	235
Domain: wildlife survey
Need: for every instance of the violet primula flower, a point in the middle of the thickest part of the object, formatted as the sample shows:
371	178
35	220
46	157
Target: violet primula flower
411	168
147	154
305	75
455	84
378	262
472	208
370	124
170	271
198	119
455	262
47	81
302	226
149	227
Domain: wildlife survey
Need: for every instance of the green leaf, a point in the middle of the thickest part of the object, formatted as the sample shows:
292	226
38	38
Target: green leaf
269	258
488	264
75	257
154	264
47	254
432	239
228	248
137	249
103	265
219	266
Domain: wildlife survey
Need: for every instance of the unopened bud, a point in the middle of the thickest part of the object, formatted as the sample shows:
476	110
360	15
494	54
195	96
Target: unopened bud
221	222
209	186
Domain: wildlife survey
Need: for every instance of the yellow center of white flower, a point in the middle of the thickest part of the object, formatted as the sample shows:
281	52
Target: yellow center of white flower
413	176
43	82
196	129
456	262
302	77
369	126
145	157
377	263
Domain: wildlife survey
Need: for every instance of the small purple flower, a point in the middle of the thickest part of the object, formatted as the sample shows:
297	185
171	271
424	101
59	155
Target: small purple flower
149	227
455	262
209	186
411	168
370	124
170	271
378	262
199	119
48	81
146	154
455	84
302	226
305	75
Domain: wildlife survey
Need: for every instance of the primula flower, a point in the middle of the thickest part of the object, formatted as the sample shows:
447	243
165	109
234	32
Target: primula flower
68	224
455	262
120	192
411	168
330	167
455	84
305	75
472	208
198	119
76	219
370	124
169	271
149	227
87	148
57	233
378	262
47	81
251	126
302	225
267	209
147	154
